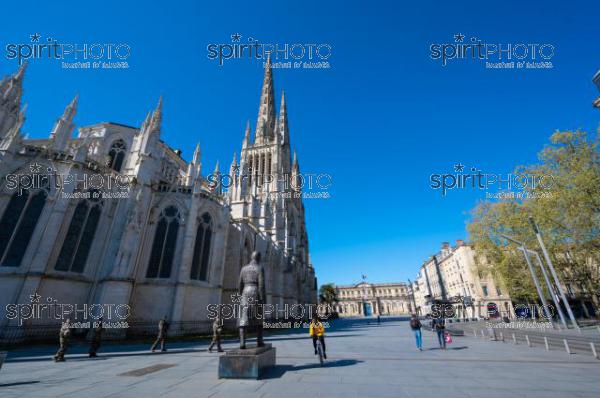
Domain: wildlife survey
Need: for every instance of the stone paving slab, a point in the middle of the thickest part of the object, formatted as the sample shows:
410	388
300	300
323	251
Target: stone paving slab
365	360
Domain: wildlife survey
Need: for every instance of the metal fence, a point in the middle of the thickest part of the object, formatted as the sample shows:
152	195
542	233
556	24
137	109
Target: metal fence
568	341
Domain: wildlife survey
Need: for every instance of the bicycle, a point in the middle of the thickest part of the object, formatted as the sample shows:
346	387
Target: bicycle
320	351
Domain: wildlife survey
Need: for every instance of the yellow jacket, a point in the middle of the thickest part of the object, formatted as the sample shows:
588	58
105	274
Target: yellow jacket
316	329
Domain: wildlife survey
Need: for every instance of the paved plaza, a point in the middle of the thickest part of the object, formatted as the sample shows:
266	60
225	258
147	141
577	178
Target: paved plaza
365	359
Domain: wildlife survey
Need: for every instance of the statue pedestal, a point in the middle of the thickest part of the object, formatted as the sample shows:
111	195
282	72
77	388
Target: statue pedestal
249	363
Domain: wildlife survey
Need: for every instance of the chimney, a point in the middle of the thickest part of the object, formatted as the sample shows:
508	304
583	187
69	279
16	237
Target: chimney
445	245
596	79
459	242
178	152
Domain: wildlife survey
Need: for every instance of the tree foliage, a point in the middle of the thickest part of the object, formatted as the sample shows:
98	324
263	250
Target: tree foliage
566	207
328	294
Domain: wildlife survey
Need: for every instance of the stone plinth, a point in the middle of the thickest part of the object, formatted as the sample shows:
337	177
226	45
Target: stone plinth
249	363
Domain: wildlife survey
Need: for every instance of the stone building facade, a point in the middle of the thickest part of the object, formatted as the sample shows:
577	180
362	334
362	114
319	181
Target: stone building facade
133	223
367	299
451	275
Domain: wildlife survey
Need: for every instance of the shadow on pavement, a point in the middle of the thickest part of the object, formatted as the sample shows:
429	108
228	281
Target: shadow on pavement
279	370
102	356
20	383
307	337
464	347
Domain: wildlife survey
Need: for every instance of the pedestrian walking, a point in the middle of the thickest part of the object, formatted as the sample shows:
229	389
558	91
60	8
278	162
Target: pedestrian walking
64	336
440	328
96	338
163	327
415	325
216	338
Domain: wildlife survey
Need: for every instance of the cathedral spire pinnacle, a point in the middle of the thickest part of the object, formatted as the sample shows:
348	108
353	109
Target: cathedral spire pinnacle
295	165
282	110
21	72
11	90
150	130
146	122
157	115
14	85
246	135
197	154
265	124
283	121
63	128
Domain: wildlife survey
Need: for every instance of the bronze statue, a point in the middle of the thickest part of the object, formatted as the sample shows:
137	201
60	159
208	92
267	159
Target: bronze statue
252	291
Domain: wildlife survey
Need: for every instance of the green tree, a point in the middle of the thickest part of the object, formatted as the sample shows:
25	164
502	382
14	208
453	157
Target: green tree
328	295
566	206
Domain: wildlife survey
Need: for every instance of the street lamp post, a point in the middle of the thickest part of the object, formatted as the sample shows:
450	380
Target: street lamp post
533	275
553	272
550	289
412	292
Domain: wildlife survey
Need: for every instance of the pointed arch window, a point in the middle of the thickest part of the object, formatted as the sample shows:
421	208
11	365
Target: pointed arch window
116	155
202	246
163	246
80	236
18	224
250	168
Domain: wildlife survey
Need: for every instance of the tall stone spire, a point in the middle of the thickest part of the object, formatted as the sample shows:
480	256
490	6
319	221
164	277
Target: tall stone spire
14	85
194	169
234	165
217	179
150	130
295	161
283	122
11	91
246	135
156	121
63	128
197	153
265	124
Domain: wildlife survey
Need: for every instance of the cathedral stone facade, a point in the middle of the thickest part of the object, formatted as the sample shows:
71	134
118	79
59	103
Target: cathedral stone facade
116	216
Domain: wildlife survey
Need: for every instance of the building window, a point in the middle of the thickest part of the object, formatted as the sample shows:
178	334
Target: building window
485	290
202	249
498	291
163	246
17	225
116	155
80	235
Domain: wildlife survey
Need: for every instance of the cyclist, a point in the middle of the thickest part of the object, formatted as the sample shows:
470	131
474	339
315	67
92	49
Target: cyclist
317	331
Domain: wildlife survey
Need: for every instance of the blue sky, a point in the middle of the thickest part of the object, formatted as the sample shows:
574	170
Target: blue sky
381	120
